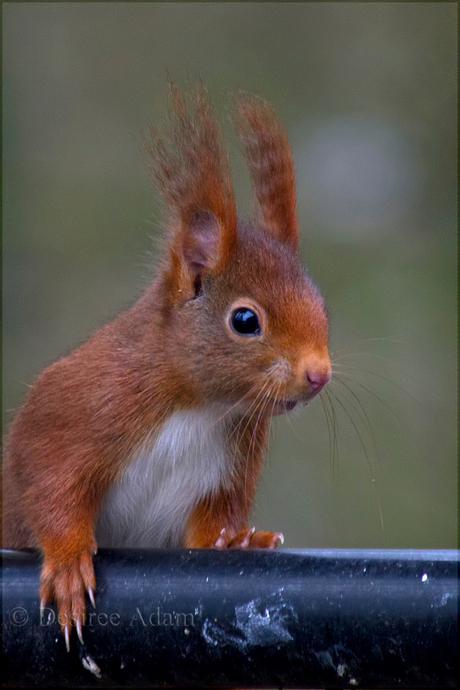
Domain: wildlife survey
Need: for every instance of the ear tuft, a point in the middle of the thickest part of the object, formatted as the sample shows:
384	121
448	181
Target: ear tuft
190	170
270	163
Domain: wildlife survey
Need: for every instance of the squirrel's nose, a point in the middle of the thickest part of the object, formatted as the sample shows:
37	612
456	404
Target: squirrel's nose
317	378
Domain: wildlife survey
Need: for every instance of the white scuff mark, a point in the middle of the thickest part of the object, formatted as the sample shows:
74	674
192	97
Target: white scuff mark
91	666
442	601
222	635
265	625
325	659
336	658
260	622
341	670
424	577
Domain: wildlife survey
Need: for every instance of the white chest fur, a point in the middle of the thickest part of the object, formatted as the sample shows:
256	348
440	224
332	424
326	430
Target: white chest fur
186	460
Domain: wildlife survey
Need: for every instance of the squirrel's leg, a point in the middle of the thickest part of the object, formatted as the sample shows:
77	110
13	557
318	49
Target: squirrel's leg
220	519
63	524
68	575
214	524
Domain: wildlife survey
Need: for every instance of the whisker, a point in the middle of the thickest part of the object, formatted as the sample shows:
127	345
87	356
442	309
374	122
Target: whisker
243	397
302	441
369	390
269	398
389	339
371	472
372	354
331	460
378	356
254	408
334	431
253	435
275	398
359	410
332	438
356	430
384	378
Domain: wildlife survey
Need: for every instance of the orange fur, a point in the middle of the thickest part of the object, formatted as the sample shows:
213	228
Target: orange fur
270	163
173	351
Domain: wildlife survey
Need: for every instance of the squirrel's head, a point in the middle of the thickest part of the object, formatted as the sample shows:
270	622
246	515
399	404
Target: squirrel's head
245	320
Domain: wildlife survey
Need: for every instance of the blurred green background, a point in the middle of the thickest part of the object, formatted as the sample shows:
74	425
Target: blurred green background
367	92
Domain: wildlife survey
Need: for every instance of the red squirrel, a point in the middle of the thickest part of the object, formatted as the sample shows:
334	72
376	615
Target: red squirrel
151	433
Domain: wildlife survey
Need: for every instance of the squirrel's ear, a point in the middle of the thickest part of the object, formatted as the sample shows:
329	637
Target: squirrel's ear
200	242
268	154
189	166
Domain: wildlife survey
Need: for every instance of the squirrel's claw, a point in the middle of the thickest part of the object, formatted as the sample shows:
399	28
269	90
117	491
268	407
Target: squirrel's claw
248	539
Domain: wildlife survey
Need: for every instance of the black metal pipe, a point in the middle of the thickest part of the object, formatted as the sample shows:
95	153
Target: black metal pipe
208	618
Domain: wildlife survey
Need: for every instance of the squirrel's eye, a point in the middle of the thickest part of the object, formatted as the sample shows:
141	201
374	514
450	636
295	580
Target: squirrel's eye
245	322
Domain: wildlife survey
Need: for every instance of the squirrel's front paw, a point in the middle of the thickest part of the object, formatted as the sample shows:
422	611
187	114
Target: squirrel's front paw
66	583
248	539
